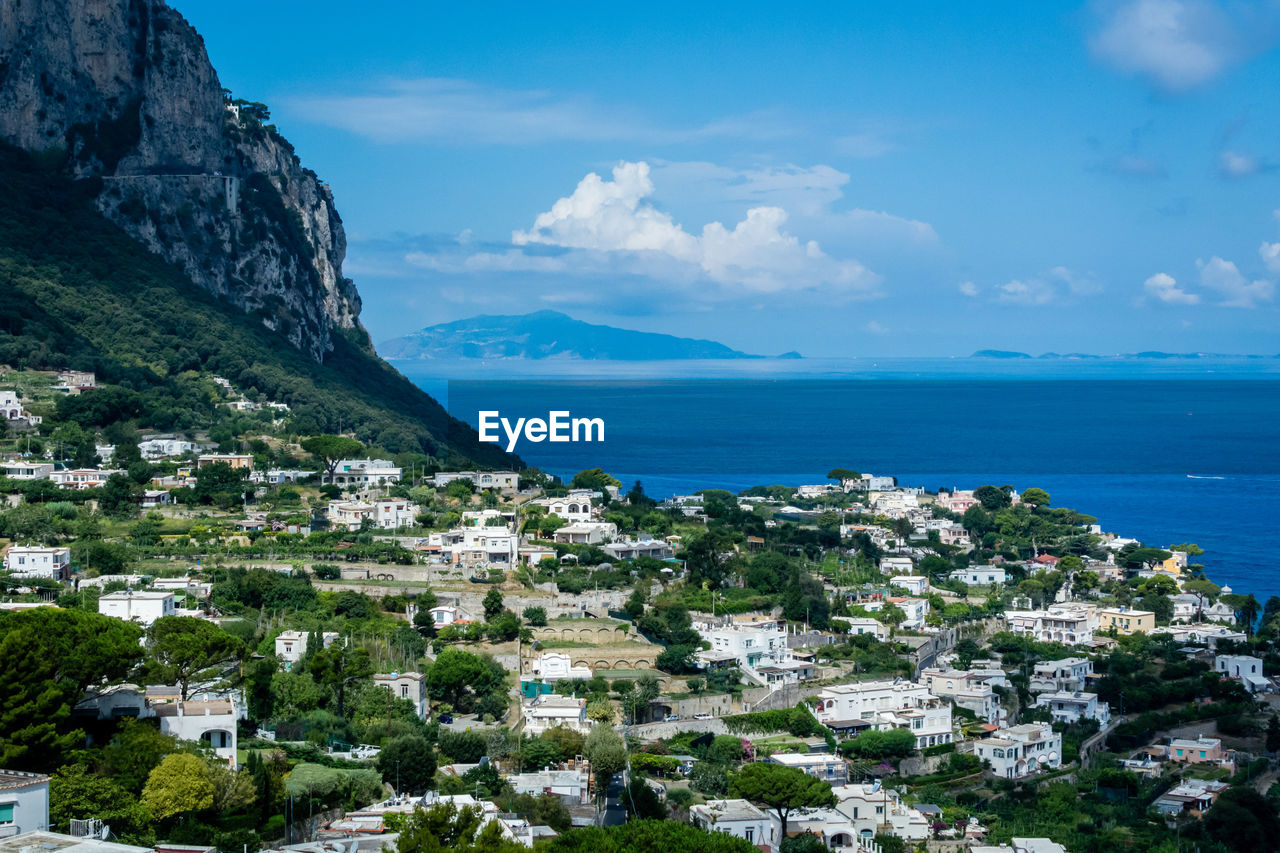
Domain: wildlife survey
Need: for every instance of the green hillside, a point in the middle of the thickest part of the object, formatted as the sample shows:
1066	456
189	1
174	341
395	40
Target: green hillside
79	293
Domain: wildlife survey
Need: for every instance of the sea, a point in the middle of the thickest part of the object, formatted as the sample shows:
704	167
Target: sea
1164	450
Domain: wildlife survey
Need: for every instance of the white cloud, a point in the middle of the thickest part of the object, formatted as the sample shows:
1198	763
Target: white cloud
1234	164
1033	291
1237	291
968	288
756	255
454	111
876	328
1270	254
1058	284
886	226
804	190
864	145
1165	288
1181	44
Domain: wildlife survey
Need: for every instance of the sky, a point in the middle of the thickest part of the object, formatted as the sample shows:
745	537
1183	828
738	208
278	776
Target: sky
850	179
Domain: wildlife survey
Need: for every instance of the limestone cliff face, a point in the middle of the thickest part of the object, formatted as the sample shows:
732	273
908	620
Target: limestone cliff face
125	91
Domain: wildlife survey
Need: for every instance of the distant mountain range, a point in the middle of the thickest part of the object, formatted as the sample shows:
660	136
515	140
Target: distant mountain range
1009	354
549	334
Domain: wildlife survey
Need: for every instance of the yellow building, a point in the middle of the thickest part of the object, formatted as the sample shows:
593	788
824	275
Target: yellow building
1126	620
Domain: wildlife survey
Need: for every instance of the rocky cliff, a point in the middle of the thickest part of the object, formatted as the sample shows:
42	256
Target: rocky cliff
123	90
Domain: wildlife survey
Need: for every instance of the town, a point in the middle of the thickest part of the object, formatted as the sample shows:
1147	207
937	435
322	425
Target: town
248	637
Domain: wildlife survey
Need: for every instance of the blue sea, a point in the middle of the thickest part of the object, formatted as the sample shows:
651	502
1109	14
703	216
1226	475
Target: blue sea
1163	450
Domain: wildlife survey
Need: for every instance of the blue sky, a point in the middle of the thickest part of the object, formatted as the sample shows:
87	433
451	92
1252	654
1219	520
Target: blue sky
852	179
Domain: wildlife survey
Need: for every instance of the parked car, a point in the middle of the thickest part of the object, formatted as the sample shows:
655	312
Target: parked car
445	718
703	716
671	718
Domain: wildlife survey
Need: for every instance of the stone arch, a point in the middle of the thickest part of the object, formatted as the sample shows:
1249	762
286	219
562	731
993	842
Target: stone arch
568	634
621	664
601	664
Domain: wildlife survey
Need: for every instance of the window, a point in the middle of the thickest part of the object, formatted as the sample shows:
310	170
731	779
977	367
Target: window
750	834
6	813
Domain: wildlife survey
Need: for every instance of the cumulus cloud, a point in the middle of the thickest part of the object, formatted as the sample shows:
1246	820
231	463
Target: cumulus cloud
1181	44
1237	291
1165	288
755	255
1270	254
968	288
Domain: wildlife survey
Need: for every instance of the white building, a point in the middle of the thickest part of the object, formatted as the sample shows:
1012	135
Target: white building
406	685
738	818
19	469
444	615
1020	751
873	809
1245	669
1068	707
967	689
549	710
349	515
82	478
30	561
820	765
363	473
1069	625
486	545
586	533
392	513
137	606
862	625
506	481
886	705
643	545
916	585
980	576
1206	634
211	722
896	566
554	666
24	802
1023	845
757	646
571	509
292	645
572	785
164	446
1066	674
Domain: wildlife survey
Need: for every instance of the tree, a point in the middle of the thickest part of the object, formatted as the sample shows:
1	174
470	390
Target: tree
992	498
966	650
1035	497
535	616
781	788
1273	734
138	747
179	784
1243	820
408	763
183	648
594	479
843	474
600	712
492	603
331	449
608	755
75	793
233	790
50	657
453	672
647	836
444	827
339	667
